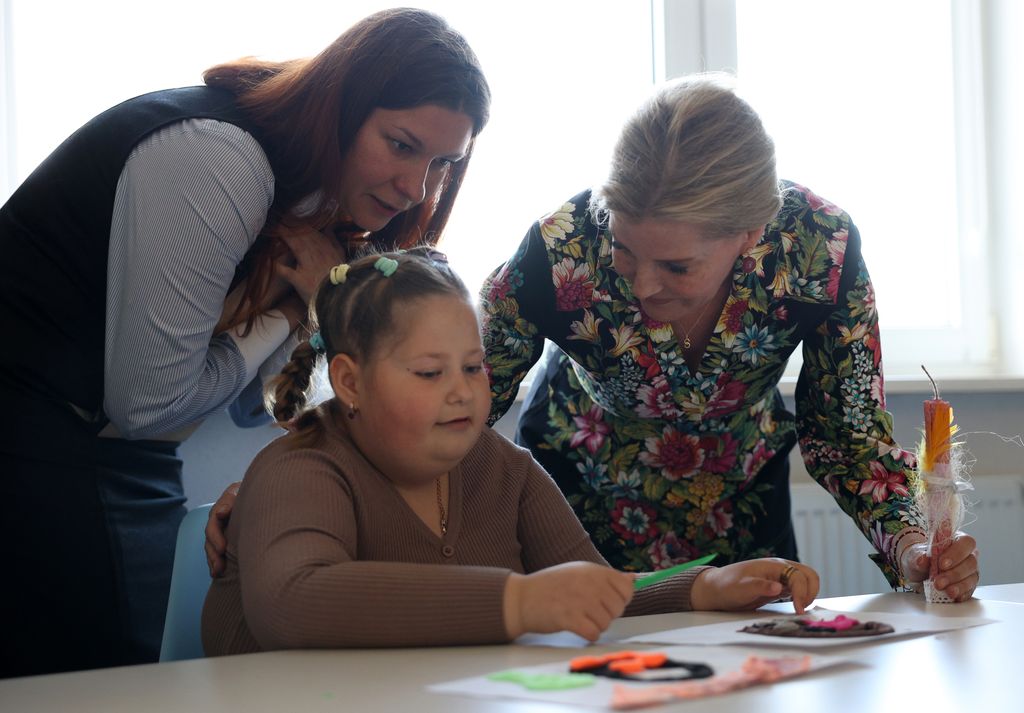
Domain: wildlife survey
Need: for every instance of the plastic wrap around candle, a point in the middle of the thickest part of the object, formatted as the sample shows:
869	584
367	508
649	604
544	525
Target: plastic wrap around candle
940	500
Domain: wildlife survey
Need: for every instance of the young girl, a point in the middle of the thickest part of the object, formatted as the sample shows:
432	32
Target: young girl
392	516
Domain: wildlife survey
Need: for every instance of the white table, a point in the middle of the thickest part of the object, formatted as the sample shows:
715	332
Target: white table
966	671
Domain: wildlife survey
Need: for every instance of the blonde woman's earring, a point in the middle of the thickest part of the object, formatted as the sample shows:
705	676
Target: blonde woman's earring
352	411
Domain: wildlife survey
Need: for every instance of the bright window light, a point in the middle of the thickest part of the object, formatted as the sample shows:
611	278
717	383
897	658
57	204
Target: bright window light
861	100
564	76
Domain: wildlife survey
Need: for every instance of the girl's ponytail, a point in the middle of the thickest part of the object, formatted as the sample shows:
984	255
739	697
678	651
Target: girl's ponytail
288	393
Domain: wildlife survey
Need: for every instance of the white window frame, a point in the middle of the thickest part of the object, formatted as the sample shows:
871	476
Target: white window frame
700	35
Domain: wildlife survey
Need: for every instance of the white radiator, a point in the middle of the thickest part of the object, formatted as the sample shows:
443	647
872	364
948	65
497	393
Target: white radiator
828	540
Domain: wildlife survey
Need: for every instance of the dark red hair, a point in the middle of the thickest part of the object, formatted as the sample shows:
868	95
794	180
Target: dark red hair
308	113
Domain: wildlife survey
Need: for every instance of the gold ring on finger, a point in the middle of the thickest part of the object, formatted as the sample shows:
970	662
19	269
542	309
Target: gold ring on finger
786	574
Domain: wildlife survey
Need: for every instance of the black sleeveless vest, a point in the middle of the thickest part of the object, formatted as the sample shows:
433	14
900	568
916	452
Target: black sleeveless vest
54	236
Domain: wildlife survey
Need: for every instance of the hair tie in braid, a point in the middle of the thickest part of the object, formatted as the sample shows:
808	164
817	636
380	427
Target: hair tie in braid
386	266
339	273
316	340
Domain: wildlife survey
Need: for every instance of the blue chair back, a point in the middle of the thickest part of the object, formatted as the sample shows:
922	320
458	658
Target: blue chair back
190	580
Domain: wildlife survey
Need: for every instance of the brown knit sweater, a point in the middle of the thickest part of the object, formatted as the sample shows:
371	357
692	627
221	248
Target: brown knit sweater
324	552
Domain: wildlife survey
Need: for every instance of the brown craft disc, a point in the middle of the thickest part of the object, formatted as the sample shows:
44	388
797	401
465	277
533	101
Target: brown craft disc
797	629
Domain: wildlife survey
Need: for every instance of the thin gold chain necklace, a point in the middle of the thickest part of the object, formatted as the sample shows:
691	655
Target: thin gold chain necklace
440	507
686	332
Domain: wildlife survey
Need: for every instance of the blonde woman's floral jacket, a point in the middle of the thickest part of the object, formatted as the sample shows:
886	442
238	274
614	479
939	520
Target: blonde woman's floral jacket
662	465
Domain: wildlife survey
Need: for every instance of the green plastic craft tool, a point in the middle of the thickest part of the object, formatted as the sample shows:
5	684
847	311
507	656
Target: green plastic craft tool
663	574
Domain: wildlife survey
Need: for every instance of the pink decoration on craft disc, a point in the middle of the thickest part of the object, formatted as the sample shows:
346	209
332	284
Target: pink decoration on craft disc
840	623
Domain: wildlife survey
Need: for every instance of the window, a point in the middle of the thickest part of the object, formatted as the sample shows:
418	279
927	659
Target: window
901	111
897	111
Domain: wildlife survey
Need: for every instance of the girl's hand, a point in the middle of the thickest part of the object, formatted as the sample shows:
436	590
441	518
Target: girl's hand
958	566
313	254
754	583
581	597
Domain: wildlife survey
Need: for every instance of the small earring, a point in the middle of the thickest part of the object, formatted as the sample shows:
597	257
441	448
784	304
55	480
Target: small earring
352	411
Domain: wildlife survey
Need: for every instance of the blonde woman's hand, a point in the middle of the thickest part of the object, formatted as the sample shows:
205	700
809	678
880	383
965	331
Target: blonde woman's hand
581	597
958	566
313	254
754	583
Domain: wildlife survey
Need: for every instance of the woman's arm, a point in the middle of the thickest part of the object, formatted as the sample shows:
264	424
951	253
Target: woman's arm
846	435
512	337
190	201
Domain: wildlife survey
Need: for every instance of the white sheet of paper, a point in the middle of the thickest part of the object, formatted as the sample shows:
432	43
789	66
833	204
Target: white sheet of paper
728	632
599	695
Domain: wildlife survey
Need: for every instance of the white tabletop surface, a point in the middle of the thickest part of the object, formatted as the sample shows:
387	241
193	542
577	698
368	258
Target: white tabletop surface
964	671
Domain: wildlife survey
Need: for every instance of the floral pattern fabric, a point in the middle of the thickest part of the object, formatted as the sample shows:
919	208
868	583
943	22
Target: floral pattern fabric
662	464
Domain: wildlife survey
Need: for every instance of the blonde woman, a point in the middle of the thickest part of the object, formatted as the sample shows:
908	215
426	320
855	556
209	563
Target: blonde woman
675	293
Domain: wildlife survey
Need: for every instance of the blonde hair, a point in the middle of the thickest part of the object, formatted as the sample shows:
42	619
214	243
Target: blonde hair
694	152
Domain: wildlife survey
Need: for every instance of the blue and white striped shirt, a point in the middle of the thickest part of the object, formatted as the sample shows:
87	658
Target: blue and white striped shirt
190	201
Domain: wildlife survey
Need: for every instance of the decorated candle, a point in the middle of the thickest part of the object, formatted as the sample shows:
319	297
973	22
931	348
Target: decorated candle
938	435
941	501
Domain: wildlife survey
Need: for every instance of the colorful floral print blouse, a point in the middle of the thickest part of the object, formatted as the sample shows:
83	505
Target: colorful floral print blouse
662	464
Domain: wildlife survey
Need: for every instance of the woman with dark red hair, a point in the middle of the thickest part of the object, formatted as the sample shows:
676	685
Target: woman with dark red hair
157	265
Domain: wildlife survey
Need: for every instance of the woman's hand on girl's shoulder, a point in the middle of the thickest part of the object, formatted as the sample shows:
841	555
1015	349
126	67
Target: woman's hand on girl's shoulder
216	529
581	597
754	583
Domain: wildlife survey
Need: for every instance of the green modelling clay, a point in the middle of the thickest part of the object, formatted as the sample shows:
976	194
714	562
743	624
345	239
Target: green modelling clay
545	681
663	574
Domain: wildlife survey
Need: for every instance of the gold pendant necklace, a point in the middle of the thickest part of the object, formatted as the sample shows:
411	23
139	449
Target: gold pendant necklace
686	332
440	507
